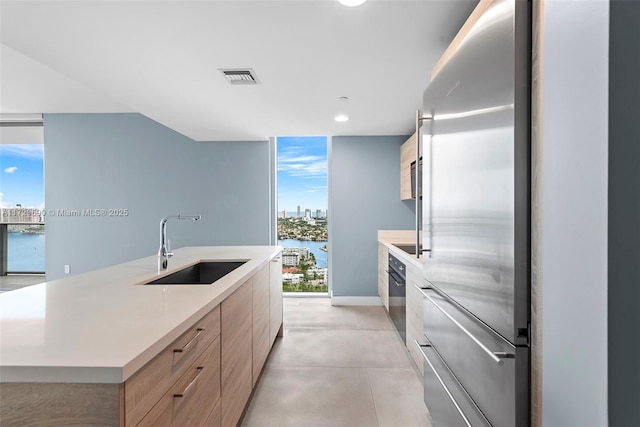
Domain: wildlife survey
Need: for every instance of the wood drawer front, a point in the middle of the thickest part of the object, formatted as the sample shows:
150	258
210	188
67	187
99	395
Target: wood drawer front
190	400
275	298
383	276
415	315
215	416
236	353
261	344
147	386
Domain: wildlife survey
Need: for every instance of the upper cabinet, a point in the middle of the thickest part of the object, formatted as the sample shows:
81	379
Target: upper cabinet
408	168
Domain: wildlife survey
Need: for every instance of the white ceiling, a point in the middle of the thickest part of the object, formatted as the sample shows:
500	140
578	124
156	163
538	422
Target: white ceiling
161	58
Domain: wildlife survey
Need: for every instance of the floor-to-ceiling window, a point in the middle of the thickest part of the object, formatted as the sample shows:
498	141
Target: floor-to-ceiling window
302	213
22	213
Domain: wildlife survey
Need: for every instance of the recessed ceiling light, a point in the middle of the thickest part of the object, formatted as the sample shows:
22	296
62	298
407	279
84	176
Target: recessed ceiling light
341	118
352	3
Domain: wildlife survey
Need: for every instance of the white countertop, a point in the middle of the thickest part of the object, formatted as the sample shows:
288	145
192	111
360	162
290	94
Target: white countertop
390	238
102	326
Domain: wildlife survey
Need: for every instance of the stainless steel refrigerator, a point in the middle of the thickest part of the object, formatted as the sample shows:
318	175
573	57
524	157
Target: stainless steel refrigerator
476	225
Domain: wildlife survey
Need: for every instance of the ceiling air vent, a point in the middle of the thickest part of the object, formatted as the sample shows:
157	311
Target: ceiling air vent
240	76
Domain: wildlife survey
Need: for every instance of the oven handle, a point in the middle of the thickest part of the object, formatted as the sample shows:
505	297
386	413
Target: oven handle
396	278
441	381
497	356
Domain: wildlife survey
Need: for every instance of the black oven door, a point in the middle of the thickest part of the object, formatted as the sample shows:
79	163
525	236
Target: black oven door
397	303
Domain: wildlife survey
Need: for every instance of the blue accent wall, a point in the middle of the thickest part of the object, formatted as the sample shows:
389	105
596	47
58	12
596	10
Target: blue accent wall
364	197
128	161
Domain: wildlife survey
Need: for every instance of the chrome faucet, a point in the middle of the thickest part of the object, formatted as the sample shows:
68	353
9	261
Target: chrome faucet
164	252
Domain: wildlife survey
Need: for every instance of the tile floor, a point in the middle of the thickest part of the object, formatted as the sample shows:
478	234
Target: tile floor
338	367
13	282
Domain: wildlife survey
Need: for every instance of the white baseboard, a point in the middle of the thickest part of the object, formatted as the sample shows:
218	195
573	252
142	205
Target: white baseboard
355	301
305	295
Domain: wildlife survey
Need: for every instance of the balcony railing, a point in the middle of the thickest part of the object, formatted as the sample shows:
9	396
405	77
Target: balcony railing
22	248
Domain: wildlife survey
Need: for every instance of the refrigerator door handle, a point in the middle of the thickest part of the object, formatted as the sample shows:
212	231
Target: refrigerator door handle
419	119
418	184
497	356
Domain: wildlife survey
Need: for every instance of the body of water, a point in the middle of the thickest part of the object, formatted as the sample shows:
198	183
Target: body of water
314	247
25	252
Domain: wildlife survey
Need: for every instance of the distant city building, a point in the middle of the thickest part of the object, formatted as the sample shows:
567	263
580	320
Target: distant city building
292	278
318	213
307	213
321	272
298	211
20	214
290	259
284	214
301	252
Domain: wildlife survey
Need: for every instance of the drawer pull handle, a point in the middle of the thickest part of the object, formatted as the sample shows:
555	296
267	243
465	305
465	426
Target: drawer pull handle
442	383
193	381
496	356
191	341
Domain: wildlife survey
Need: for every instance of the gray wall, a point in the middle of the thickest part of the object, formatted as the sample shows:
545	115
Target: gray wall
127	161
235	179
624	213
364	197
573	176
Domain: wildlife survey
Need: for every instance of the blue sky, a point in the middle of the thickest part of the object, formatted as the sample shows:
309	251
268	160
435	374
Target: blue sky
21	175
302	173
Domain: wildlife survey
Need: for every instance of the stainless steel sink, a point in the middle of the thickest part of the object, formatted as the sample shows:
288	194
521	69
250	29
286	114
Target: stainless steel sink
202	273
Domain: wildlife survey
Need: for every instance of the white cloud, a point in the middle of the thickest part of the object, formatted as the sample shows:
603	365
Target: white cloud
11	169
298	159
28	151
303	166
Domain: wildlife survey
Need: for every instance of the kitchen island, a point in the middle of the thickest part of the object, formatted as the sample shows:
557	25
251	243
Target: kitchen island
89	339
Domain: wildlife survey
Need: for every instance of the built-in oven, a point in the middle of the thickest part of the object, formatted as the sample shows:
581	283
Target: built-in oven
398	295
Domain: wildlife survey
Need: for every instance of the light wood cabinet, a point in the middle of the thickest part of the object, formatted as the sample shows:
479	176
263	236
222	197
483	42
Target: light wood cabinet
214	417
261	307
415	314
383	276
236	353
407	156
145	399
191	399
203	378
145	388
61	404
275	298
